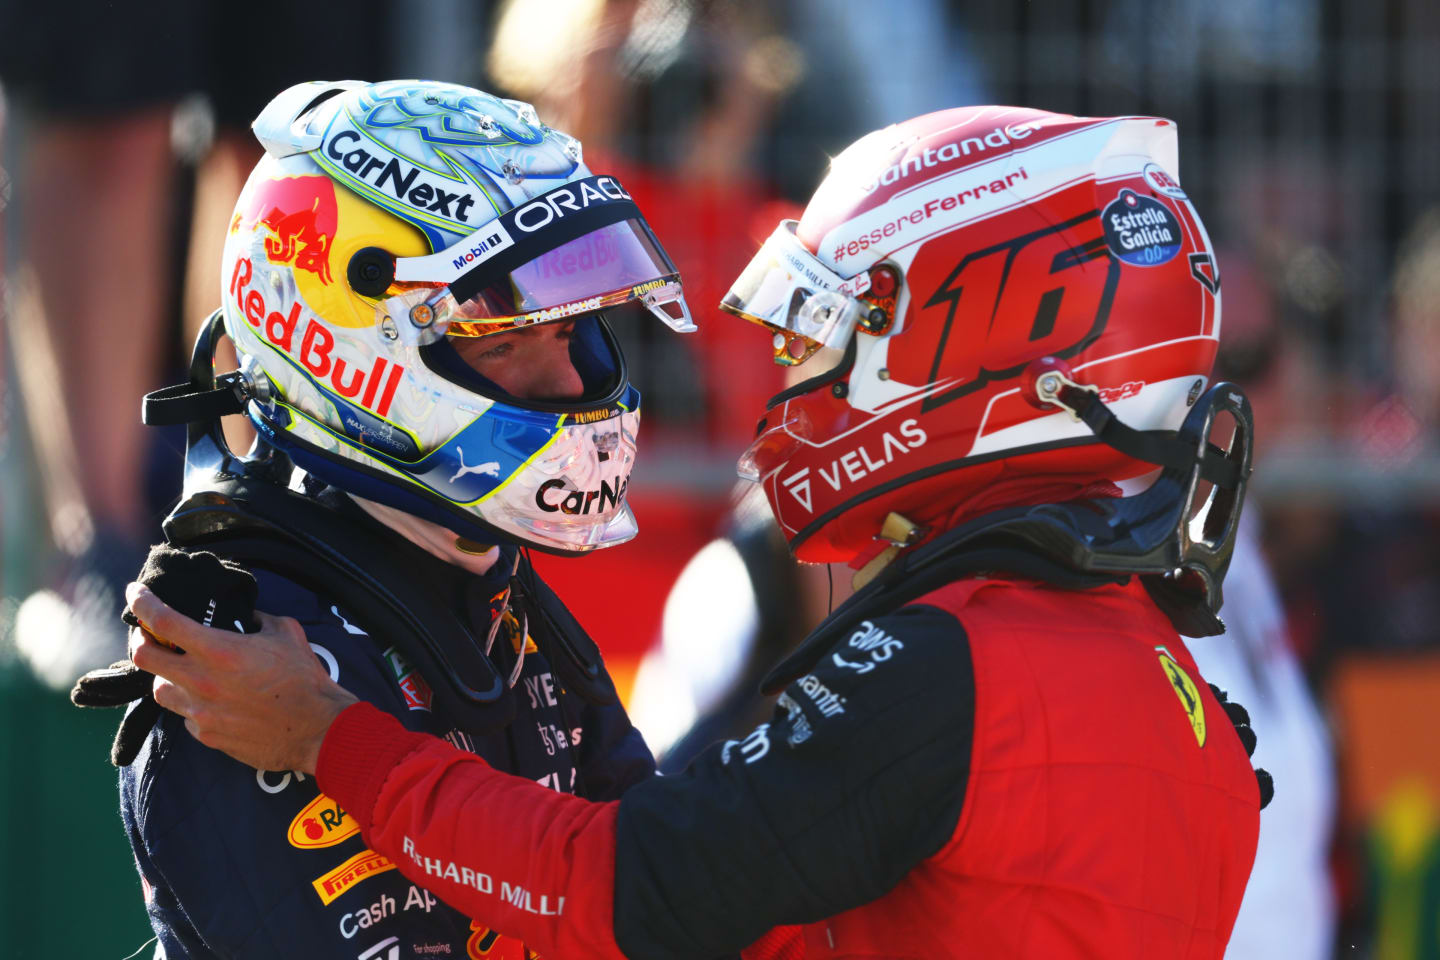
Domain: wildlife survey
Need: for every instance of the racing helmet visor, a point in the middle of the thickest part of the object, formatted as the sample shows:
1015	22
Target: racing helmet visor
580	248
788	290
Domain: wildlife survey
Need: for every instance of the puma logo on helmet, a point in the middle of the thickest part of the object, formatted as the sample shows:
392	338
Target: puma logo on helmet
490	468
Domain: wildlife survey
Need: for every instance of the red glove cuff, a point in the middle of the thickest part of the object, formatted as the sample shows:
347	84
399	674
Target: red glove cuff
359	751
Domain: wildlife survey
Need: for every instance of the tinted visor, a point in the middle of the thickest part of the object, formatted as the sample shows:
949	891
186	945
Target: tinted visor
605	268
580	248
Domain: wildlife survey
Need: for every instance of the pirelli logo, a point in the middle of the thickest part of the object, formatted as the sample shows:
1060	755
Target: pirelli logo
365	864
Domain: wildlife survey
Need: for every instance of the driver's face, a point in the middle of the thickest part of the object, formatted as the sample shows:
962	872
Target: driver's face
532	362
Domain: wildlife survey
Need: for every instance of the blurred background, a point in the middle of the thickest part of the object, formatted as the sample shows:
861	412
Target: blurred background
1310	142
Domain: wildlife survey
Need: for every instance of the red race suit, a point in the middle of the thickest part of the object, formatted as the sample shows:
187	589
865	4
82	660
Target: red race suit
1001	768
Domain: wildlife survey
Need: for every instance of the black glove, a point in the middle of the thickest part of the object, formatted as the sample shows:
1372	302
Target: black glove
1240	718
216	592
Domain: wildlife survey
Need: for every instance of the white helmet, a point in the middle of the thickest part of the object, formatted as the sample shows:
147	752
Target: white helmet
384	220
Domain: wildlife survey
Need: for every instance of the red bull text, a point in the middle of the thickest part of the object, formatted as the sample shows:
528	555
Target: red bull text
316	345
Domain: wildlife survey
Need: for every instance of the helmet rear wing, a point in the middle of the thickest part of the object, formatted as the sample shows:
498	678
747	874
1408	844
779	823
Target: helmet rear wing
281	127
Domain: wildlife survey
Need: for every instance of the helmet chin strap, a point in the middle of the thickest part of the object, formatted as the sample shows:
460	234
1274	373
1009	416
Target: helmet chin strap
1049	384
900	532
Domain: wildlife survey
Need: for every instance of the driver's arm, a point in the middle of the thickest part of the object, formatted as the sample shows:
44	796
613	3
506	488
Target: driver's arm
859	776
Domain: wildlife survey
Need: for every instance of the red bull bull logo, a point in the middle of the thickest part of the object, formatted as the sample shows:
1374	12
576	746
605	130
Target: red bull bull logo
299	215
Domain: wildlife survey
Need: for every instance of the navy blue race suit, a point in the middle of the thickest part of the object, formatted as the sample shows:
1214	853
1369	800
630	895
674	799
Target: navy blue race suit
239	863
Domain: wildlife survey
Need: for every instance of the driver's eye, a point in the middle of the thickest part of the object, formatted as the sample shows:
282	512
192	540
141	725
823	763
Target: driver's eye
497	351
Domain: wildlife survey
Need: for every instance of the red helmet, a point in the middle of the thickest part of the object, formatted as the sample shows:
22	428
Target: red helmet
938	262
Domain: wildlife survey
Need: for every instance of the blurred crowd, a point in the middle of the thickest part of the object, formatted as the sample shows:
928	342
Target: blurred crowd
1310	141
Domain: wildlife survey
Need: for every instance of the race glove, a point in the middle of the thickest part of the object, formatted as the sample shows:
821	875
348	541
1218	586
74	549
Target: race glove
216	592
1240	719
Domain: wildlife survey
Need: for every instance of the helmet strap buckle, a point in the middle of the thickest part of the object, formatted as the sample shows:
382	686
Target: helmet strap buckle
897	531
1051	385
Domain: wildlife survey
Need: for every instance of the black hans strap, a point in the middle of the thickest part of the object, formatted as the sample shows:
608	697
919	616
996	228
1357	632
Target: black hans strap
186	403
261	525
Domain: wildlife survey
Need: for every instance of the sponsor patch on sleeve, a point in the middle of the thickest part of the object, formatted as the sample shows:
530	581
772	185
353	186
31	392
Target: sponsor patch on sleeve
321	824
362	866
417	693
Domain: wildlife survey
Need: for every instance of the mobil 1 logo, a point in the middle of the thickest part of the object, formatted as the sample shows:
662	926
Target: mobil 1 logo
1140	230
